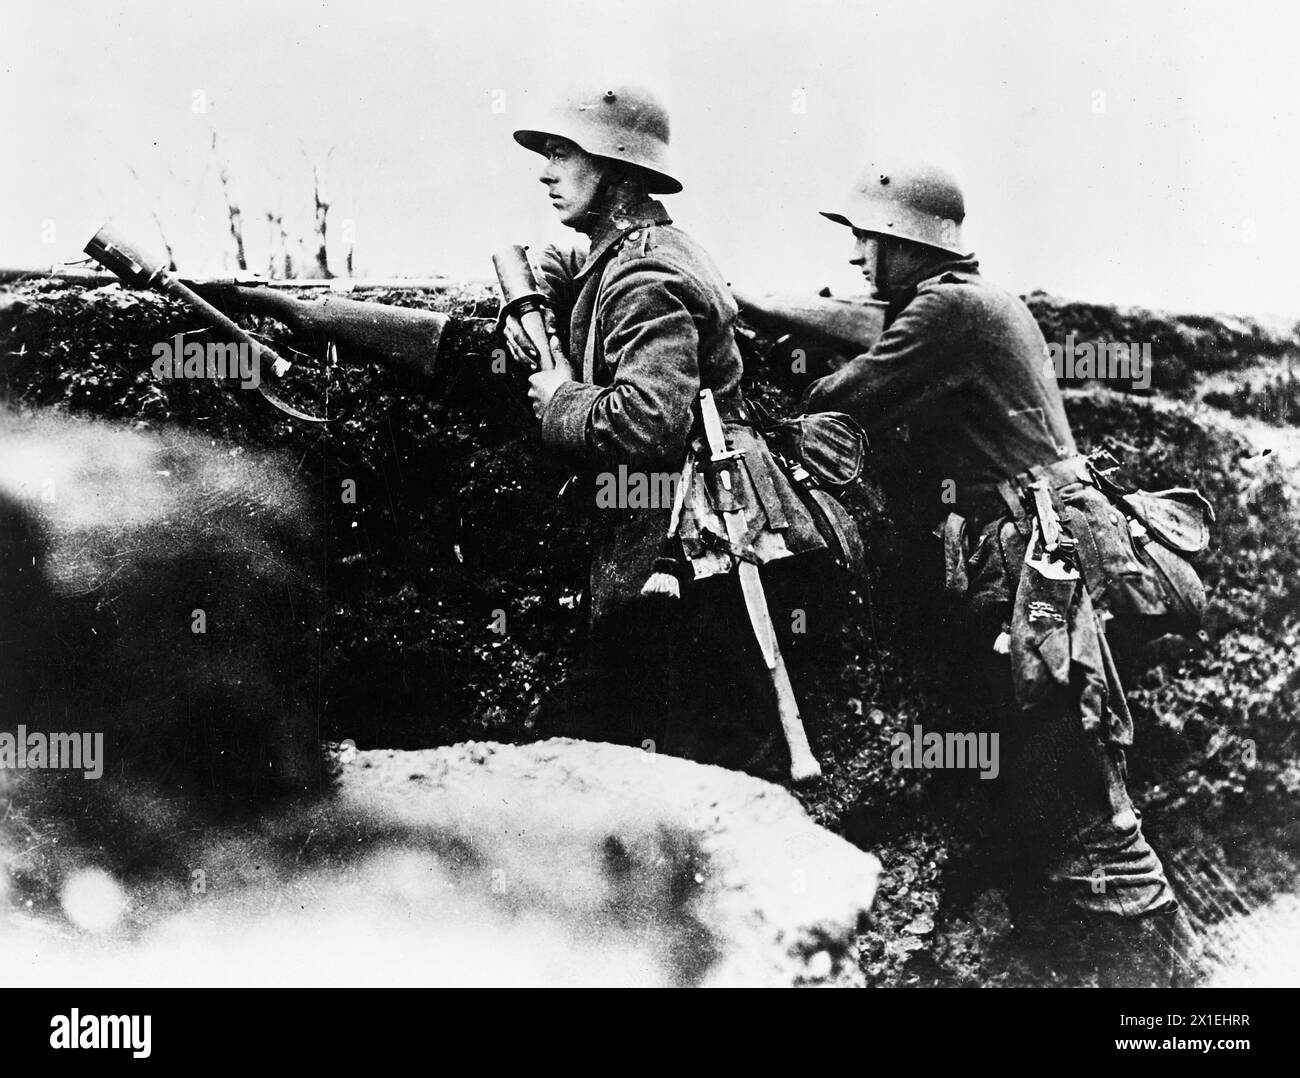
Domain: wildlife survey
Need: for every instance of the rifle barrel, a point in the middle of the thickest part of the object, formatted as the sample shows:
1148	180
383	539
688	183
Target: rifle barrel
850	326
9	275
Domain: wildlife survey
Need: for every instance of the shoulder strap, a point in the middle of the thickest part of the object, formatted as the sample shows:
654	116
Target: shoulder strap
589	352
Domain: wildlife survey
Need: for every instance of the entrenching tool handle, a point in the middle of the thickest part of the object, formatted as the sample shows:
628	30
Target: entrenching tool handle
521	297
803	765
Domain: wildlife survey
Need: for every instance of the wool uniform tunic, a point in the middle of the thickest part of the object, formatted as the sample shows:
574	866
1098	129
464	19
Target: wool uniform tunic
964	365
648	321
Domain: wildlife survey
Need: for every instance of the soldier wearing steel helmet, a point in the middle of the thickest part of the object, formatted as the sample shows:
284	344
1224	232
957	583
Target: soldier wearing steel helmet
642	321
993	472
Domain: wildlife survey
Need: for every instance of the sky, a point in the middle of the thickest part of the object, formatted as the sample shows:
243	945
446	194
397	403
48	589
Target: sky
1115	152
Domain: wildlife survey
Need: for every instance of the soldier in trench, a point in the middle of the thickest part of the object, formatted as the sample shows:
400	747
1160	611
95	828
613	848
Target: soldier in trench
993	468
641	321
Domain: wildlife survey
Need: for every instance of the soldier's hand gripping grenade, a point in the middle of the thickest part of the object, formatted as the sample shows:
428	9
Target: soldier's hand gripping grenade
521	298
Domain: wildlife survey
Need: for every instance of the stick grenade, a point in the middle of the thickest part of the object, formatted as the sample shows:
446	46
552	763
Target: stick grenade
138	270
723	475
521	297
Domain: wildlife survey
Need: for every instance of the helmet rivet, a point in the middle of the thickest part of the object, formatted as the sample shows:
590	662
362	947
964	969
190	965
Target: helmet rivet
610	95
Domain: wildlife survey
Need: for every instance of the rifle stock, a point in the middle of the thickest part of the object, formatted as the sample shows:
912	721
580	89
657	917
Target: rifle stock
406	336
848	327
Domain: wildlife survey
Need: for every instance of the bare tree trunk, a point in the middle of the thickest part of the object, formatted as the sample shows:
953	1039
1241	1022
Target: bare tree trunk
280	261
232	210
236	224
322	212
171	257
270	244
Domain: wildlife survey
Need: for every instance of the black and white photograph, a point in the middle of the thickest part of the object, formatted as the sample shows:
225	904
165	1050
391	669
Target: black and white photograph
650	494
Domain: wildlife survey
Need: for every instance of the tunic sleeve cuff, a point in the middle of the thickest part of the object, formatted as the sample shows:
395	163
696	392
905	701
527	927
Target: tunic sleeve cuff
564	422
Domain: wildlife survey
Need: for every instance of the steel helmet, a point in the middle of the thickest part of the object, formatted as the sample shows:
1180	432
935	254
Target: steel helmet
619	121
912	200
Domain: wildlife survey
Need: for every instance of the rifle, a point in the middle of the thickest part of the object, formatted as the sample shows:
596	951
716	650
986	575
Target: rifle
404	335
846	327
70	272
408	336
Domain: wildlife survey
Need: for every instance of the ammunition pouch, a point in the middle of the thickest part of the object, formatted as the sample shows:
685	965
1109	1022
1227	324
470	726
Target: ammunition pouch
786	511
1131	547
1058	649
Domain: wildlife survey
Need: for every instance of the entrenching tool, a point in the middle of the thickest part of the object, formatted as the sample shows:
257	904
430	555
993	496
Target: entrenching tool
722	473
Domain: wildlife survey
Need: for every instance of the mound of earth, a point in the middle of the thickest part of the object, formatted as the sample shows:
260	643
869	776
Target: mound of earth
555	863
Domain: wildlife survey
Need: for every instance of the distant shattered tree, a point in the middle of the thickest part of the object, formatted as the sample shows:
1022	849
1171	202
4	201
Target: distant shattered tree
233	212
322	213
281	262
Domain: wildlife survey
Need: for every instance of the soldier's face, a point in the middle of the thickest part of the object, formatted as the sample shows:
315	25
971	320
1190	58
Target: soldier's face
888	263
572	179
869	257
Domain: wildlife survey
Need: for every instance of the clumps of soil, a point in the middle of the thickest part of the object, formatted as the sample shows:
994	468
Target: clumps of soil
1183	346
456	526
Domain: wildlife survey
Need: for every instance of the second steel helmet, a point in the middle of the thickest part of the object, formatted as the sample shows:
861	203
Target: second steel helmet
911	200
622	122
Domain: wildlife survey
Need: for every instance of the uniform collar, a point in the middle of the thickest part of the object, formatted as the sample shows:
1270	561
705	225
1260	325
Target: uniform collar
649	212
958	265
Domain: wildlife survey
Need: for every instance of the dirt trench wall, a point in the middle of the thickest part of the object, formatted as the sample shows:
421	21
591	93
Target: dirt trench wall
456	523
